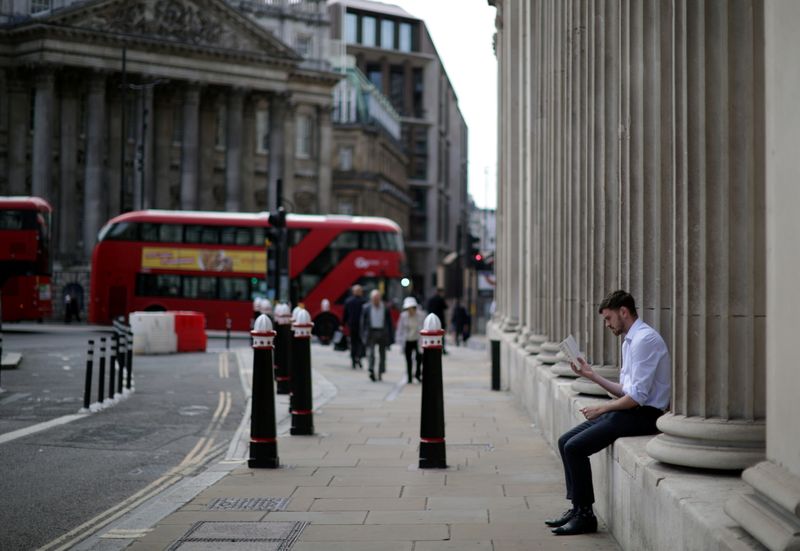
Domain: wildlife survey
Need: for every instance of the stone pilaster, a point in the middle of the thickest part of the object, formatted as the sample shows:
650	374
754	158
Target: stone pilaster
94	188
233	151
324	156
514	183
162	151
67	207
289	132
143	163
190	148
43	115
718	349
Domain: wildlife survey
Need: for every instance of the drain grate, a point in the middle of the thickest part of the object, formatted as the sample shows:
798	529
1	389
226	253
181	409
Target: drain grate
240	536
249	504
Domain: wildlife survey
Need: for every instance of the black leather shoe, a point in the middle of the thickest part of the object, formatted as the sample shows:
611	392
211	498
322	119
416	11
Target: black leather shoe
580	523
562	520
372	376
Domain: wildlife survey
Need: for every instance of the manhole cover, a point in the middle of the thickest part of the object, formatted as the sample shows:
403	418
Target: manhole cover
249	504
244	536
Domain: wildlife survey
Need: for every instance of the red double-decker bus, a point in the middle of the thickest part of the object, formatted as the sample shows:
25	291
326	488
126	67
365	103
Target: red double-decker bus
25	261
215	263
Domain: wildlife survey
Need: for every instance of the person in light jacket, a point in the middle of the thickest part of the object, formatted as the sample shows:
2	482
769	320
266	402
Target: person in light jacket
407	335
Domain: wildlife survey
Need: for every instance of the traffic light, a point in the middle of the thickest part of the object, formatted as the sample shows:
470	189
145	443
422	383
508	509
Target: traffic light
475	255
278	219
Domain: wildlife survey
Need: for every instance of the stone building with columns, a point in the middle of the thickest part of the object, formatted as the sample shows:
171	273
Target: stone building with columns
651	146
111	105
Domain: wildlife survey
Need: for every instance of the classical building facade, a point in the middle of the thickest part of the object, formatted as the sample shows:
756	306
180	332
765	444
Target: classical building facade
395	52
111	105
651	146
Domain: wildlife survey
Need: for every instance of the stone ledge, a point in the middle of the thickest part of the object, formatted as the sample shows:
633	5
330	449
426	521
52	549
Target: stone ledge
646	504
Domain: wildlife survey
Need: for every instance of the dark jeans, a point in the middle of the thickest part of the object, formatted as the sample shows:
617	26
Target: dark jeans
592	436
377	337
412	349
356	347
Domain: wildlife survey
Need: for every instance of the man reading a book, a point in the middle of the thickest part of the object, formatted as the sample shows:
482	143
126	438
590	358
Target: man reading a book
642	396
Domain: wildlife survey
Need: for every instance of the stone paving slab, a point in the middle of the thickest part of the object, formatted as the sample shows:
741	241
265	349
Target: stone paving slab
358	485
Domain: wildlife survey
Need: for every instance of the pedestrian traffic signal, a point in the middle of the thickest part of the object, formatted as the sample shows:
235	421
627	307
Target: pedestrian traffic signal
277	219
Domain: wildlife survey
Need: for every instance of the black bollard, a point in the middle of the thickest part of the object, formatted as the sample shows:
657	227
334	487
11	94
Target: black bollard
431	434
112	366
87	388
283	348
227	332
302	397
263	443
101	372
495	365
130	360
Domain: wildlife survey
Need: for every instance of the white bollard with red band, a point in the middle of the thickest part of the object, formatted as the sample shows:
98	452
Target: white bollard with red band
302	396
431	442
263	442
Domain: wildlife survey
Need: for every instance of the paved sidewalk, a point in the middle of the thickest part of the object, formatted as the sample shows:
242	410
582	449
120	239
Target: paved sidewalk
357	486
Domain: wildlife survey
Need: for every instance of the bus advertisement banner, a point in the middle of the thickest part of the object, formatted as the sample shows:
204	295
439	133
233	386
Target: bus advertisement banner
204	260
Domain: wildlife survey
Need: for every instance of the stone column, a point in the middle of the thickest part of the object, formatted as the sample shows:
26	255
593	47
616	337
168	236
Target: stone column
190	147
42	174
718	348
325	154
233	151
289	132
67	206
519	19
277	146
501	250
771	514
18	124
162	151
94	181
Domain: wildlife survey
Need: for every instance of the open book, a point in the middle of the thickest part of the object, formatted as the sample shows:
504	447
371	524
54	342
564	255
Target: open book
569	347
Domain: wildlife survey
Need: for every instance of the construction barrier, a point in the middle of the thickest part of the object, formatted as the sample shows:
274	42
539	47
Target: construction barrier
168	332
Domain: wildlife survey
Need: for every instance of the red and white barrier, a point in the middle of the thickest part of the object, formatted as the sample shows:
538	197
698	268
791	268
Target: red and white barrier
168	332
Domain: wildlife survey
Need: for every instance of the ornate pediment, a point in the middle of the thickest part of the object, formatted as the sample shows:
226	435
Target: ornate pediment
209	23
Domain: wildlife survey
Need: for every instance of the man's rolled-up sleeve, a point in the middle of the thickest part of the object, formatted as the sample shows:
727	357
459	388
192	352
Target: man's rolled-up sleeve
644	356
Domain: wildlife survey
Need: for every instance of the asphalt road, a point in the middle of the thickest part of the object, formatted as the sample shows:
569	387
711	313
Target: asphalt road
184	411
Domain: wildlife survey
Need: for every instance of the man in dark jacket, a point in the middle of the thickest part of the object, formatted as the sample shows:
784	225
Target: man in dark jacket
352	320
376	329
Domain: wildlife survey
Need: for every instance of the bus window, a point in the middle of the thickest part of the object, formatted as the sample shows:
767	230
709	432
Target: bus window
233	288
259	235
170	233
11	220
123	231
236	236
158	285
296	236
199	287
370	241
149	232
206	235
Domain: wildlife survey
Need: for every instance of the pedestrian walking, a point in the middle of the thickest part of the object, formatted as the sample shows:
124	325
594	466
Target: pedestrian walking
352	320
460	322
642	396
376	330
407	335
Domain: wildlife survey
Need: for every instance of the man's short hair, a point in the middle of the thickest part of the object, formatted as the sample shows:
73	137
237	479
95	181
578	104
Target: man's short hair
616	300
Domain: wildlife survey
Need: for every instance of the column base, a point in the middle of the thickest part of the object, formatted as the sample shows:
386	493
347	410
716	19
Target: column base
585	386
772	514
509	325
548	353
708	443
534	343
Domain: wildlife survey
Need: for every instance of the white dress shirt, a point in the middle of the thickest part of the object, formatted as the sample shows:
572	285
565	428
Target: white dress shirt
646	374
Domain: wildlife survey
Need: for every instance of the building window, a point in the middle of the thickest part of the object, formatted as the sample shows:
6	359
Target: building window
222	123
387	34
375	76
346	157
304	137
38	6
351	28
419	111
303	45
368	31
262	131
405	37
397	88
